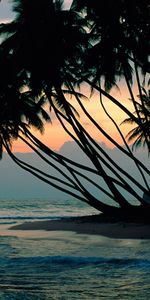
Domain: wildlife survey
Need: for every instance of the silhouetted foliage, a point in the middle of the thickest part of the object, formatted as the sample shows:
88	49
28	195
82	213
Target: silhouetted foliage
136	134
47	54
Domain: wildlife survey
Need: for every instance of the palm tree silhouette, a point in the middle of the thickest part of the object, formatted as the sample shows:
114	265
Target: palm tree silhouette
37	55
136	134
20	108
19	112
50	51
119	47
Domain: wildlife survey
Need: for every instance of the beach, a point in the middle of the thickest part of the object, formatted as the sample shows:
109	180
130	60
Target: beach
59	250
90	225
75	258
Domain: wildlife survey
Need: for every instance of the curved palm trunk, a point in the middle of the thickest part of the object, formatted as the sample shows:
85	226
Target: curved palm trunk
138	164
86	196
90	152
63	160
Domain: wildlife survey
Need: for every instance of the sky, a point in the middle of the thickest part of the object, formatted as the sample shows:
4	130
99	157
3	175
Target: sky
54	136
5	11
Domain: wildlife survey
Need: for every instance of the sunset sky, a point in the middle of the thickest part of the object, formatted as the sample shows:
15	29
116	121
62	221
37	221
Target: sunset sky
54	135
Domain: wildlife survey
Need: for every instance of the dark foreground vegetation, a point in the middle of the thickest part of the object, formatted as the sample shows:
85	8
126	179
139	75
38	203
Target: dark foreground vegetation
52	56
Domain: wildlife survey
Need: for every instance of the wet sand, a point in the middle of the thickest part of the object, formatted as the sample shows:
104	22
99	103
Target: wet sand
91	225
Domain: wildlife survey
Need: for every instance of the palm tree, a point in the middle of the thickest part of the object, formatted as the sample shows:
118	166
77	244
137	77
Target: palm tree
20	109
119	32
28	114
136	134
49	50
30	52
35	38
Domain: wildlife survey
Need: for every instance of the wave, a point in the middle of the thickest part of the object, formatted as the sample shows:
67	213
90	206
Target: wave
28	218
75	261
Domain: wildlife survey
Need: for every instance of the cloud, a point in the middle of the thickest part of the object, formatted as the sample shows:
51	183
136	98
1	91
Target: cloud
16	183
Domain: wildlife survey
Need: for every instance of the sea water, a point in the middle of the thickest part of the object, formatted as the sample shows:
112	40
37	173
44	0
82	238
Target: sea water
66	265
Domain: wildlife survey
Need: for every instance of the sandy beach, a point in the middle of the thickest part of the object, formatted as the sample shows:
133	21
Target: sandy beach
70	257
90	225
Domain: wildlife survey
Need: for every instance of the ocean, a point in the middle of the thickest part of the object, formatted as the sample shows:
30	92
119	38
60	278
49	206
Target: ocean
59	265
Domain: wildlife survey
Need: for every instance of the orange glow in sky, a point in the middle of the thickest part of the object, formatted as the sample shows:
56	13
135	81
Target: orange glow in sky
55	136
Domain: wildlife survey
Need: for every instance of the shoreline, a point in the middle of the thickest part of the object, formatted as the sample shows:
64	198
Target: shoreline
94	225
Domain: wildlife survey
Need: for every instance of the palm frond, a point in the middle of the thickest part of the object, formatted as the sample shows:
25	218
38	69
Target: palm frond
137	143
76	94
127	121
7	28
